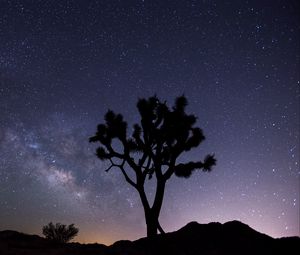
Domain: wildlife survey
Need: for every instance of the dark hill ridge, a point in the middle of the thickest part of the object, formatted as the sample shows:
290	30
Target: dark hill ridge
193	239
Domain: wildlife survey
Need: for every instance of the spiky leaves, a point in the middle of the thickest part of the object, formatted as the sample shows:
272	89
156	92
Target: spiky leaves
166	133
185	170
115	127
162	135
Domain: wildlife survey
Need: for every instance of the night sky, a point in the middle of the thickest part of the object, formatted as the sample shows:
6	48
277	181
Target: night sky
63	64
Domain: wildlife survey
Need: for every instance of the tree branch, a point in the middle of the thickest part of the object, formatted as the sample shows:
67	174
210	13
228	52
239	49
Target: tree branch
131	182
110	167
146	171
121	167
114	153
142	160
160	229
170	170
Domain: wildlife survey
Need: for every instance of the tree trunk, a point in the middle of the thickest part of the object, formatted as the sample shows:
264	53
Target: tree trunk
151	222
152	214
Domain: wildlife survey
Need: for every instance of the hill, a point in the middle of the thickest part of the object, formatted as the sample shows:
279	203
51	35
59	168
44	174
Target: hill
193	239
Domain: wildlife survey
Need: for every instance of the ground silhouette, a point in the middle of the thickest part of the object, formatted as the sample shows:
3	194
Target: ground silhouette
152	150
234	238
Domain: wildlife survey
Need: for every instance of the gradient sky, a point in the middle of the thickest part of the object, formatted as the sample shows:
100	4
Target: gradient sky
64	63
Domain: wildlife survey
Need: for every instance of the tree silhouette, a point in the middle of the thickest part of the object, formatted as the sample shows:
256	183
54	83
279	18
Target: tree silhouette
152	150
60	233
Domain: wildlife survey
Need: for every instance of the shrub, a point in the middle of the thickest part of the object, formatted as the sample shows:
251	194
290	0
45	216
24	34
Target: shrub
60	232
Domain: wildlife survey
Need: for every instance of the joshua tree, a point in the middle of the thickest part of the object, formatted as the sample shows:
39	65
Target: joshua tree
152	150
59	232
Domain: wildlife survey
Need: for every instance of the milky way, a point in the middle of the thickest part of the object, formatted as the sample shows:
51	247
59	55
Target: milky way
64	63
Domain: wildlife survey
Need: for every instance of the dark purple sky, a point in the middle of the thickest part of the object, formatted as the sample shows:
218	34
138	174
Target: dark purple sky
64	63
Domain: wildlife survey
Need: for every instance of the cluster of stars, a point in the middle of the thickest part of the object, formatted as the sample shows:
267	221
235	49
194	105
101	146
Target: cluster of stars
63	64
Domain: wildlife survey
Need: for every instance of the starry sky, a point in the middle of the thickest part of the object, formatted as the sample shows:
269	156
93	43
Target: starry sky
63	64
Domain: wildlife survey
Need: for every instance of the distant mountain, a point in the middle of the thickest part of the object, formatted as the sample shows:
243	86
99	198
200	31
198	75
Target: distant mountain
214	238
234	238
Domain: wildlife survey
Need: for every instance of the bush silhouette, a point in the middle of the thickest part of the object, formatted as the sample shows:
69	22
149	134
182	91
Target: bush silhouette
59	232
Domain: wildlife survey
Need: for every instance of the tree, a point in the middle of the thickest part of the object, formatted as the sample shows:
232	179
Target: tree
60	233
152	150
